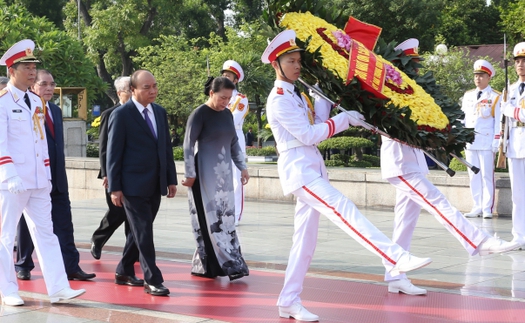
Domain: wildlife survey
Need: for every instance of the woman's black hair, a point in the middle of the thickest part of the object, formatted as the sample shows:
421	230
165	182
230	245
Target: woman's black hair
220	83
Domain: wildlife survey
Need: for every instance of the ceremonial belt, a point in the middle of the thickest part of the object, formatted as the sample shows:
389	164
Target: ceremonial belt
517	124
284	146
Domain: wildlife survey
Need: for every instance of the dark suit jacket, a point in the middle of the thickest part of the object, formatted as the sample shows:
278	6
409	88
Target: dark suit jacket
137	163
103	139
57	160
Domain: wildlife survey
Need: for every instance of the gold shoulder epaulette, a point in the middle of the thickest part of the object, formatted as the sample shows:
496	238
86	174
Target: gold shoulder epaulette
497	92
3	92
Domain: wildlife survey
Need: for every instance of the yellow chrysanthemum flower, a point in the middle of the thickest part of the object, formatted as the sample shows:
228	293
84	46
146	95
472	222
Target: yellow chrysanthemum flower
424	109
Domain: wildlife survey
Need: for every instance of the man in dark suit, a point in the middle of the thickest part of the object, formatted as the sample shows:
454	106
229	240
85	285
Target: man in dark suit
114	216
60	204
140	169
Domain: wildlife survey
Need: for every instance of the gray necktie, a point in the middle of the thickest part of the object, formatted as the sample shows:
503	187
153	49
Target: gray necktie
148	121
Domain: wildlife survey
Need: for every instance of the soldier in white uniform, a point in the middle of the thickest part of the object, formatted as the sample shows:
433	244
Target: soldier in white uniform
297	129
406	168
514	110
482	112
239	107
25	178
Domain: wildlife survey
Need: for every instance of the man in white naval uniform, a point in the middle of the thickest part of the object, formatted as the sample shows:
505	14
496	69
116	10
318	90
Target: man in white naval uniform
25	178
406	168
239	107
514	110
482	112
297	130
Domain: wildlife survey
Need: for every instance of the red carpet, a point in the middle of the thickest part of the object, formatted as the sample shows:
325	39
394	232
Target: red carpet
253	298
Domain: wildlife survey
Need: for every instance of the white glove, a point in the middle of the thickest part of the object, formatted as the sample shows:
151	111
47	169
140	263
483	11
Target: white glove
508	110
495	145
15	185
314	94
355	118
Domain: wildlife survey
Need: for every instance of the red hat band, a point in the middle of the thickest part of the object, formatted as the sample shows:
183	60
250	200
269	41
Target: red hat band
281	49
234	70
14	59
484	69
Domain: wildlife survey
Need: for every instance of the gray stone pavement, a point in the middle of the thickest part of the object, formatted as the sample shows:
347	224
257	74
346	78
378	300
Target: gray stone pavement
266	230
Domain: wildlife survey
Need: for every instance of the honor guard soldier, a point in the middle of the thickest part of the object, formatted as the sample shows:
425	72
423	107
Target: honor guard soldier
298	128
514	110
482	112
25	178
239	107
405	168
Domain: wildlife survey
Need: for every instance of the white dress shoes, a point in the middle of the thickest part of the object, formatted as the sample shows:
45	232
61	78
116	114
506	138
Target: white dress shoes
407	263
405	286
66	293
495	245
472	214
13	299
487	215
298	312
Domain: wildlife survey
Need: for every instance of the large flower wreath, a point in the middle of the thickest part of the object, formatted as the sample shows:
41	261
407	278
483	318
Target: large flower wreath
362	80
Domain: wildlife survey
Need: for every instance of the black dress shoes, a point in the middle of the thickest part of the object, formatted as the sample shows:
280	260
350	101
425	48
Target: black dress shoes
128	280
156	290
81	275
95	250
23	274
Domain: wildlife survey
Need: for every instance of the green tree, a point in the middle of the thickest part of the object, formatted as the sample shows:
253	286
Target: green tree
180	67
468	22
51	9
58	52
512	20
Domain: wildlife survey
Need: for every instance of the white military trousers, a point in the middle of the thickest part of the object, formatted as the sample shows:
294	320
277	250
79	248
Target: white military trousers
517	185
406	214
482	183
320	197
238	188
36	205
421	191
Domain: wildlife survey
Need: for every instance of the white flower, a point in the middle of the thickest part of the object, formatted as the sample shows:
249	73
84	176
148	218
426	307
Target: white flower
222	170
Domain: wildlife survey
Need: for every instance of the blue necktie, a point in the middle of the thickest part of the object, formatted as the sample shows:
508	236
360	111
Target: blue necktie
26	99
479	94
148	121
522	86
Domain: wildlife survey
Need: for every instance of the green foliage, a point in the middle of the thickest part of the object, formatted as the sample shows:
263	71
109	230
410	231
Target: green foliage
92	150
178	153
373	160
468	22
58	52
334	163
179	66
264	151
344	143
512	20
51	9
457	166
359	163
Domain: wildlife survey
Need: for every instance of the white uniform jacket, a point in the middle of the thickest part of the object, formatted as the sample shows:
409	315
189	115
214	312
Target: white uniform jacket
300	162
483	115
23	144
398	159
239	107
516	135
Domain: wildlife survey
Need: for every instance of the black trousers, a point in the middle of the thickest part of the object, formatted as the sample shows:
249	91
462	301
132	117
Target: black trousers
63	229
141	212
111	221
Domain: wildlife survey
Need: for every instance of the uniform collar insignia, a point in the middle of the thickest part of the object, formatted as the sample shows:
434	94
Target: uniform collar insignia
280	91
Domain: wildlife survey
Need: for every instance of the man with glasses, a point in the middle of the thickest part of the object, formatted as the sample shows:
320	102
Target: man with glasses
114	216
60	205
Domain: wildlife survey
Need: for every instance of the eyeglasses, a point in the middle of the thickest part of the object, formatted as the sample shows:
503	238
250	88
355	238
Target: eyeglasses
45	84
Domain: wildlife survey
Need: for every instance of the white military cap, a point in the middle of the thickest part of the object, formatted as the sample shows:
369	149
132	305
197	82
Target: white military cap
19	52
234	67
519	50
482	66
283	43
409	47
